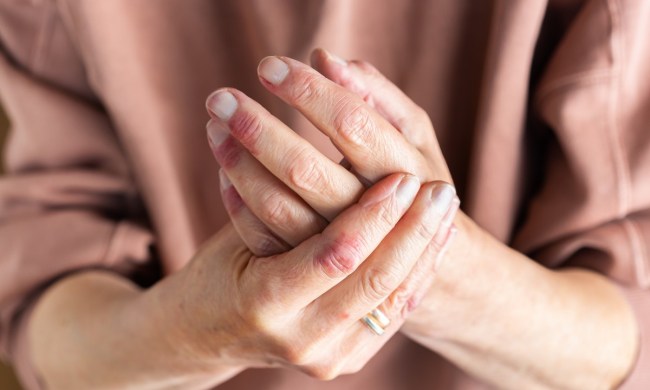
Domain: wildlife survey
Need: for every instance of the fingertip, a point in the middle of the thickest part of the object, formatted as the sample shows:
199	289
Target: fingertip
442	196
387	186
317	57
273	69
329	65
221	104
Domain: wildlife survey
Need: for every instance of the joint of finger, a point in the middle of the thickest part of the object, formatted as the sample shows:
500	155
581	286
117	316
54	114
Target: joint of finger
380	281
386	212
416	127
299	355
306	174
396	303
228	153
353	124
266	245
276	210
427	230
246	127
323	372
305	89
341	257
254	317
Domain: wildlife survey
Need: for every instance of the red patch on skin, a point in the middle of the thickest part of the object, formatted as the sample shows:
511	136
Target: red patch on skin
413	302
227	154
232	200
246	127
343	316
340	257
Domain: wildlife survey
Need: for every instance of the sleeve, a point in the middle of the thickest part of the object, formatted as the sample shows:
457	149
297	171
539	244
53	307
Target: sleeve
593	207
67	199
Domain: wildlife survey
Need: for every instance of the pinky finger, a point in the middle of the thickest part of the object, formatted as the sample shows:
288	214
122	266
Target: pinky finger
257	237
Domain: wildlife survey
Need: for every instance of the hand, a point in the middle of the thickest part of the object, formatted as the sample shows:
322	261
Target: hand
290	191
317	189
477	283
302	308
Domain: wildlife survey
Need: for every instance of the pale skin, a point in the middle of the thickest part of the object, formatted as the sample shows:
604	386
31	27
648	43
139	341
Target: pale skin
490	310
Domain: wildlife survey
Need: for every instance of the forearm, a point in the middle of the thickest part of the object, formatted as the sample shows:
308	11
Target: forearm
507	320
98	330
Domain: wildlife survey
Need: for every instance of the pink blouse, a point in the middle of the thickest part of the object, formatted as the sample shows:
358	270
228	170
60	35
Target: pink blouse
541	107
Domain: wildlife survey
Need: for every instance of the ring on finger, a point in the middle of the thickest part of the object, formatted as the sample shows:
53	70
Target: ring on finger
376	321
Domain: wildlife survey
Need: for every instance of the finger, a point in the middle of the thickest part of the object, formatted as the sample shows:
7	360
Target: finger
407	297
389	265
380	93
258	238
362	343
447	222
276	205
322	261
326	186
371	144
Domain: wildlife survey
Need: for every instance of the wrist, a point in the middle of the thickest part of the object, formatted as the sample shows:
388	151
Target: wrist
188	342
490	301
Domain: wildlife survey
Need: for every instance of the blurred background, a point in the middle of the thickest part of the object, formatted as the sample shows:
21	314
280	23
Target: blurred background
7	378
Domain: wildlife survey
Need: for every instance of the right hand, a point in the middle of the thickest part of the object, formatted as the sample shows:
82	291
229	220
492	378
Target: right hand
302	308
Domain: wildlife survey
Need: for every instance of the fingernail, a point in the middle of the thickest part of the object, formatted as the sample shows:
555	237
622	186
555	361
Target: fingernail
407	189
217	133
443	195
223	104
273	70
334	58
451	213
224	180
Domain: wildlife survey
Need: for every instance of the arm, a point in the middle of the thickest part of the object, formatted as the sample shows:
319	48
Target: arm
513	323
229	310
63	216
112	334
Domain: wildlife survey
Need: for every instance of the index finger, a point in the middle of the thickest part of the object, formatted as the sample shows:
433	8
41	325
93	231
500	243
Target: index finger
368	141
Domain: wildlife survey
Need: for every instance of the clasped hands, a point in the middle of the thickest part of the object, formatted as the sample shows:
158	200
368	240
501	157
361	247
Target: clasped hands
315	245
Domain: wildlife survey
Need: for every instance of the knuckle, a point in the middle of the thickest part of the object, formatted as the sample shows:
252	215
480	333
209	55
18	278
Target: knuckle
380	282
295	355
246	127
253	317
341	257
352	123
306	90
426	230
323	372
355	367
306	174
385	213
421	116
397	301
276	210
